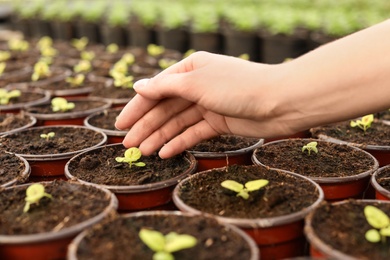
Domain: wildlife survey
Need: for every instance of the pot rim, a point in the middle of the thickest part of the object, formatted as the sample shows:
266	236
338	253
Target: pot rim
322	246
45	97
66	232
73	246
106	131
52	157
135	188
375	183
23	175
227	153
30	124
326	180
247	222
367	147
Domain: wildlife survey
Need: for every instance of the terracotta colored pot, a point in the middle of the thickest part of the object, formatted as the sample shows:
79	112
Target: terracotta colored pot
170	218
50	245
113	136
32	123
334	188
381	193
138	197
51	166
23	175
319	249
211	160
277	237
68	117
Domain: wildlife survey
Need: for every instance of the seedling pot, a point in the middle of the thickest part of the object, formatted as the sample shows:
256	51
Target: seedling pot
23	174
40	97
381	193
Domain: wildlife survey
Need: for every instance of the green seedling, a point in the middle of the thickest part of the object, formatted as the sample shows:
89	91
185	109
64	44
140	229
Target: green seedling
75	81
128	58
364	123
82	66
45	42
3	65
41	70
61	104
87	55
380	223
120	80
112	48
155	50
6	96
48	51
18	45
48	135
312	146
165	63
34	193
164	246
5	55
131	156
244	56
80	44
243	190
120	67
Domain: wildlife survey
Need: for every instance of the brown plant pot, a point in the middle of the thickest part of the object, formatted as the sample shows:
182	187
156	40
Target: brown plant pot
211	42
47	160
236	43
152	189
337	231
175	39
228	241
16	169
113	34
139	35
52	244
10	123
63	30
89	30
380	181
231	150
341	171
277	232
84	106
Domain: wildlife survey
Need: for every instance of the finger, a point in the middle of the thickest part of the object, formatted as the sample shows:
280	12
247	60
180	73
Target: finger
133	111
186	140
154	119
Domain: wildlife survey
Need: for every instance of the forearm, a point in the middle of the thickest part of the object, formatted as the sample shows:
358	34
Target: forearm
341	80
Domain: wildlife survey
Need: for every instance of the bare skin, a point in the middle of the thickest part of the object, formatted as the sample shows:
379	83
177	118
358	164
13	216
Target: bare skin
206	94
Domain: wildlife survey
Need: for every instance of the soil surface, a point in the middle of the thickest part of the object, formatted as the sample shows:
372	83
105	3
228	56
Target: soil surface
11	168
332	160
383	178
384	115
284	194
105	120
377	134
63	85
70	204
119	239
224	143
80	106
66	139
343	227
112	92
10	121
99	166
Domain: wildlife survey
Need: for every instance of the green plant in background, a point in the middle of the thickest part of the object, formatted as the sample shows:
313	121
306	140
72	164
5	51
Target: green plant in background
380	223
18	45
165	62
364	123
45	42
131	156
128	58
80	44
244	56
120	80
82	66
4	56
92	12
173	15
3	65
112	48
241	18
87	55
34	193
145	12
76	81
155	50
118	14
188	53
6	96
48	135
41	70
164	246
243	190
312	146
204	18
61	104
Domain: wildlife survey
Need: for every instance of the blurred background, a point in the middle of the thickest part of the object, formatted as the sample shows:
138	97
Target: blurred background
259	30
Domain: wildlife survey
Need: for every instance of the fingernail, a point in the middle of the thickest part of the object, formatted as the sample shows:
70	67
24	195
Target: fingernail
140	83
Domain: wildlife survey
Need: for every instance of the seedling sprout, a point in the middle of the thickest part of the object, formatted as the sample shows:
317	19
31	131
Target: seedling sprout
61	104
380	223
364	123
82	66
312	146
243	190
34	193
130	157
5	55
2	67
6	96
155	50
164	246
48	135
77	80
112	48
41	70
80	44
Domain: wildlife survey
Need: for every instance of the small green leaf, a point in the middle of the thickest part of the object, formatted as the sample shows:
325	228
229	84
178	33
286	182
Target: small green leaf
175	242
376	217
153	239
163	256
133	153
385	231
232	185
139	164
373	236
256	184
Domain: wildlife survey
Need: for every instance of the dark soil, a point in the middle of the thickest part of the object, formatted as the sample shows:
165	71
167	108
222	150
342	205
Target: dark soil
63	85
66	139
377	134
11	168
71	204
99	166
80	106
383	178
332	160
343	228
224	143
383	115
105	120
112	92
284	194
10	121
119	239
